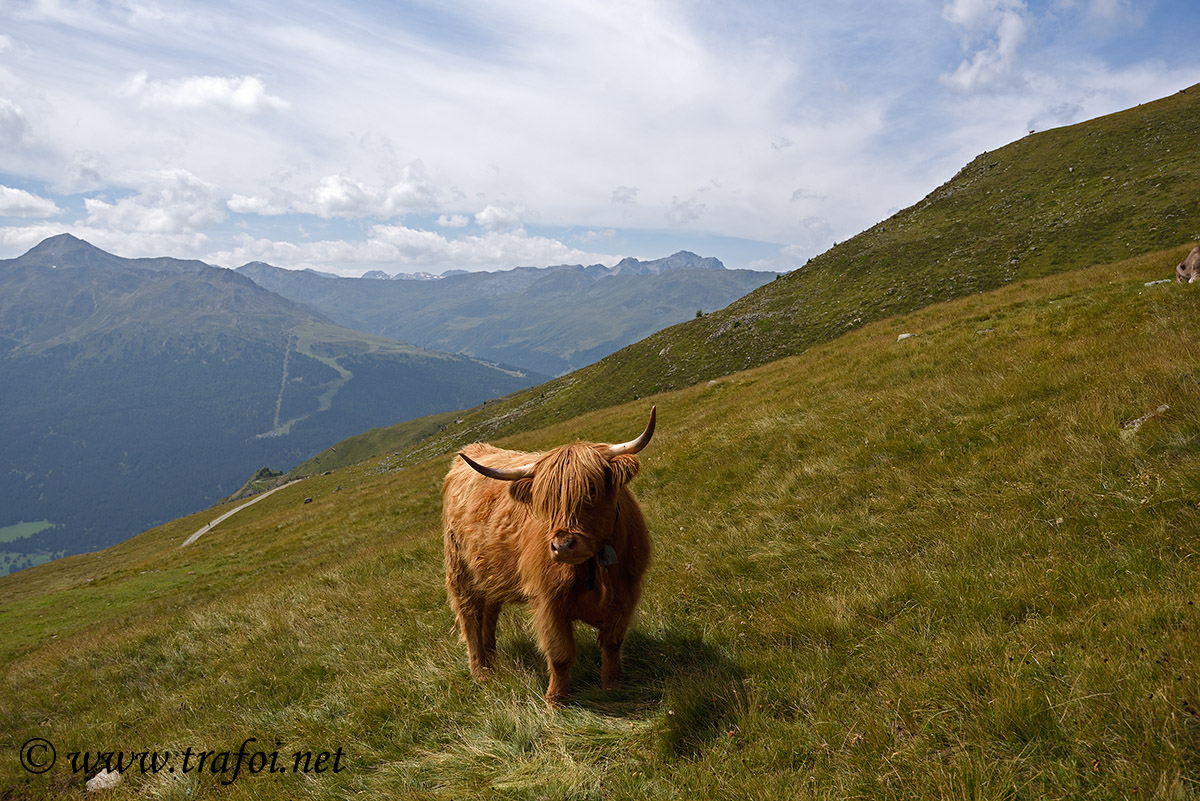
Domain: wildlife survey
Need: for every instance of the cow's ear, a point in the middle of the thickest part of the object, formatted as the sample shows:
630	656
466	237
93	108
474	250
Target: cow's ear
521	490
624	468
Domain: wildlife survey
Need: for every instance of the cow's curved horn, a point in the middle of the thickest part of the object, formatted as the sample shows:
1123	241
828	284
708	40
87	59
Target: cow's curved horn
500	473
635	445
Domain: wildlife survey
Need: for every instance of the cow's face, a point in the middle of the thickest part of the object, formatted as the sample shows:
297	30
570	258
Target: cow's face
573	491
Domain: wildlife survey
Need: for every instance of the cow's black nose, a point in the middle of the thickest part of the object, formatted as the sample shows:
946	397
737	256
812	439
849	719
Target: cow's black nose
564	545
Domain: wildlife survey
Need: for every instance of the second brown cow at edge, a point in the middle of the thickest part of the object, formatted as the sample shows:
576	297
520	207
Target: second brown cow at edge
559	530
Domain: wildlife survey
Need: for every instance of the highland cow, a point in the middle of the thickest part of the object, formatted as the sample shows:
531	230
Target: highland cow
560	530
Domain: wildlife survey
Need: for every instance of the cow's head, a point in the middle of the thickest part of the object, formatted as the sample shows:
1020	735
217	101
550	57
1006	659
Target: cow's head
573	489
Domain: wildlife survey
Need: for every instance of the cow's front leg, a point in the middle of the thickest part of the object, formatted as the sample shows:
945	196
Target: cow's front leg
612	635
557	640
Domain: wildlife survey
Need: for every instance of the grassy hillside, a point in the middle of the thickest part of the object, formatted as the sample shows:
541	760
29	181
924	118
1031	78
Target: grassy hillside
948	566
1092	193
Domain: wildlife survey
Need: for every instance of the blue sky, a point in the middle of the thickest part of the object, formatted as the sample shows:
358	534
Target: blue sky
425	136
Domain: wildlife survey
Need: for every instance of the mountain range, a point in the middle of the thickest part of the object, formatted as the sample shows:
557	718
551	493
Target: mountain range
135	390
550	320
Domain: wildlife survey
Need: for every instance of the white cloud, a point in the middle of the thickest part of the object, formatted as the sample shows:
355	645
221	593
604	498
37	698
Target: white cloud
789	257
625	194
169	202
995	29
246	93
340	196
682	212
453	221
591	237
14	127
499	218
399	246
243	204
87	171
19	203
411	192
1108	12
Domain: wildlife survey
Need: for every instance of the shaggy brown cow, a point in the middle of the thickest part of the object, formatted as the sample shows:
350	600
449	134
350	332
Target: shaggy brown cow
558	529
1188	270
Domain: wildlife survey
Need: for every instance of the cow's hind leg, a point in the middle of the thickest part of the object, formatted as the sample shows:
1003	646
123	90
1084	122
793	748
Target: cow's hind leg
472	616
476	618
489	618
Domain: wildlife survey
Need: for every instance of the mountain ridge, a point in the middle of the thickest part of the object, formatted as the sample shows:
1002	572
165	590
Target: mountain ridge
548	319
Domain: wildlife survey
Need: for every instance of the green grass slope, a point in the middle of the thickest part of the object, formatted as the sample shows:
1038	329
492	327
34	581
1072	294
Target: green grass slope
1063	199
959	565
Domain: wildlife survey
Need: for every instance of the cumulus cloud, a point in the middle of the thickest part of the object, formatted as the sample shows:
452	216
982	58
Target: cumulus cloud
994	30
19	203
169	202
412	191
247	204
453	221
340	196
246	93
400	246
499	218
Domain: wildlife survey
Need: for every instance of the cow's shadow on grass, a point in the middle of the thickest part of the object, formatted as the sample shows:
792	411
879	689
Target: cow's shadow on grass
693	690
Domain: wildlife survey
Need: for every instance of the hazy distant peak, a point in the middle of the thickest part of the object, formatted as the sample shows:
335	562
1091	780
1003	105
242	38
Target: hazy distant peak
682	260
66	248
380	275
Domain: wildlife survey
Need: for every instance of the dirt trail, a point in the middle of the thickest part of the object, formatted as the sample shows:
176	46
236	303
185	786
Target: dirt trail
207	527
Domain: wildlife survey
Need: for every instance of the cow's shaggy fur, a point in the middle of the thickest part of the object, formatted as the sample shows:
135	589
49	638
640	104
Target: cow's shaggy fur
504	544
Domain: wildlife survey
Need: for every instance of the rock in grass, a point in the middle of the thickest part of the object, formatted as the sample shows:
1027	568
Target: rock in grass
104	780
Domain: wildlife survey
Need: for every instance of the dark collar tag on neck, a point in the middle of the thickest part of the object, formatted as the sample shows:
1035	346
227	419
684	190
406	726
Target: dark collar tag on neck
607	556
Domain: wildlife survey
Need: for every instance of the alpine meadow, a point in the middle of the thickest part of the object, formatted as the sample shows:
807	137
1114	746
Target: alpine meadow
925	517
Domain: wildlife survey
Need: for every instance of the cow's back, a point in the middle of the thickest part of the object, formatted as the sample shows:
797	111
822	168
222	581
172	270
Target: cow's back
482	525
